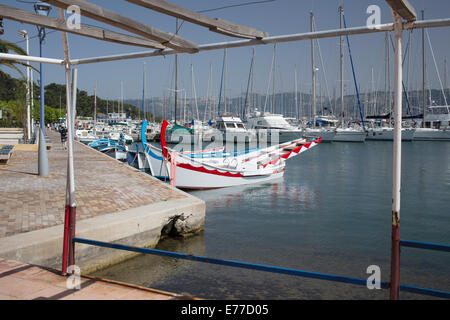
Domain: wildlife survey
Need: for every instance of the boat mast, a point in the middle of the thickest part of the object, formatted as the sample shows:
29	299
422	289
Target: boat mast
208	93
95	105
225	81
121	98
272	104
143	92
221	82
445	76
313	69
387	87
372	93
176	75
194	92
423	74
296	93
341	67
250	77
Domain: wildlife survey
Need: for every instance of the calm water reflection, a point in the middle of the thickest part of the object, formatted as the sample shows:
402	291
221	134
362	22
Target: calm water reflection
330	213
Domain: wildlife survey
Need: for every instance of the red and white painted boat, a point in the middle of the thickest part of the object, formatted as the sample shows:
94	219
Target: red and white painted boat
215	168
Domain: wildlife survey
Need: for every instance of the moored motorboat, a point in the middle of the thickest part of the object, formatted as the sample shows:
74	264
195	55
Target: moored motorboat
349	135
272	127
116	151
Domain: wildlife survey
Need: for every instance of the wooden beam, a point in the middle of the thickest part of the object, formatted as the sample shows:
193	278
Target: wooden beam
114	19
87	31
404	9
215	25
274	39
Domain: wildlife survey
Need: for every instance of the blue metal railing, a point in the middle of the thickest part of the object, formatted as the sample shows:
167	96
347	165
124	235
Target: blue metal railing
260	267
425	245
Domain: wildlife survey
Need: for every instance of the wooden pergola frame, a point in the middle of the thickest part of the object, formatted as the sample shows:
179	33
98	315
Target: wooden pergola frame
167	43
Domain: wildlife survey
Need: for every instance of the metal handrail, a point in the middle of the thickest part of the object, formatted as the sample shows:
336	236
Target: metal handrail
261	267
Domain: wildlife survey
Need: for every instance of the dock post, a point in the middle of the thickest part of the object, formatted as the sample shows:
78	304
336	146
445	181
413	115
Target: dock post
68	259
396	185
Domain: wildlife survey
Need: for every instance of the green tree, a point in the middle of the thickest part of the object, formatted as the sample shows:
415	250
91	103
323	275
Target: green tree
7	47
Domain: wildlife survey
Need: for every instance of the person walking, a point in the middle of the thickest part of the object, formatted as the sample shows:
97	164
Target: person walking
63	132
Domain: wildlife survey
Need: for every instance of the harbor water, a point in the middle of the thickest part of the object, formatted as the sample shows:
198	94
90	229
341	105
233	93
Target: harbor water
331	213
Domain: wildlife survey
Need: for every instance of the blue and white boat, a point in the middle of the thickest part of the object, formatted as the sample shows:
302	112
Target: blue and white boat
116	151
110	147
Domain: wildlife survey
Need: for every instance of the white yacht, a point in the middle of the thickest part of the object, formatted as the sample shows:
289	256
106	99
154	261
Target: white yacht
118	136
387	134
426	134
435	127
351	134
324	128
266	125
233	129
85	136
327	134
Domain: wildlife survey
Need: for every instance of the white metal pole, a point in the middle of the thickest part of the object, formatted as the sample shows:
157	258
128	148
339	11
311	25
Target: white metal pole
313	74
28	90
396	185
18	57
32	101
95	106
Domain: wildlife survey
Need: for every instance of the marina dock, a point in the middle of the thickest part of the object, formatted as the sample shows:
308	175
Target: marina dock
115	203
21	281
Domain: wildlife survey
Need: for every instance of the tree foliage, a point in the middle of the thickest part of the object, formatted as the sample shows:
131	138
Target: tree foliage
13	103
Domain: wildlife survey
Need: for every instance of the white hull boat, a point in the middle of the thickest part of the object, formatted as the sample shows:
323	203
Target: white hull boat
218	169
85	136
232	129
272	128
387	134
349	135
430	134
327	135
115	152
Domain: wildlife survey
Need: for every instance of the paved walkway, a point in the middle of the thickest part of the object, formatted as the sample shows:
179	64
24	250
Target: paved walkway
103	185
21	281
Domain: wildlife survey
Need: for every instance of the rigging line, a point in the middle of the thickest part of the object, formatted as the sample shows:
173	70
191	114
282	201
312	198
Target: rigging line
437	71
236	5
182	22
323	68
244	110
354	76
227	7
221	82
408	110
270	76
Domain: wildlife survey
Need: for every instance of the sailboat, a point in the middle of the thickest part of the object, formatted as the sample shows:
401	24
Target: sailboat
269	127
436	120
380	127
319	128
346	133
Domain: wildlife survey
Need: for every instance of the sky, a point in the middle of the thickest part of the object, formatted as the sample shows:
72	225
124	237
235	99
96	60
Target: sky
278	17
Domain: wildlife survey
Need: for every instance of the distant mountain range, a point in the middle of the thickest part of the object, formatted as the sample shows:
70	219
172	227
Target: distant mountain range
377	103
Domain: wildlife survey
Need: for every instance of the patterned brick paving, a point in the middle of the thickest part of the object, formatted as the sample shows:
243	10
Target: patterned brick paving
103	185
